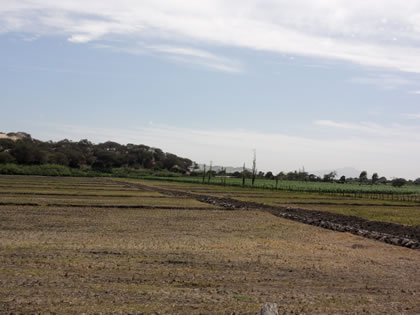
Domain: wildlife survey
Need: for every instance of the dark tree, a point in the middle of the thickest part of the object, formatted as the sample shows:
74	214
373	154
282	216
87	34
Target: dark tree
329	177
27	152
84	154
269	175
375	178
313	178
363	177
398	182
382	180
6	157
281	176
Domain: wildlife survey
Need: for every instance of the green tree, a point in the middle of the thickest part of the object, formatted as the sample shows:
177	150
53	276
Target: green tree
58	158
313	178
382	180
281	176
375	178
6	157
269	175
330	176
398	182
363	177
26	152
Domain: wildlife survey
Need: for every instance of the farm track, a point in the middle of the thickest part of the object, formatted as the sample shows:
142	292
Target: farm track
391	233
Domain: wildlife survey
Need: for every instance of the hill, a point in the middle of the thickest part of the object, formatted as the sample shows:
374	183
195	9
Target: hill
20	148
15	136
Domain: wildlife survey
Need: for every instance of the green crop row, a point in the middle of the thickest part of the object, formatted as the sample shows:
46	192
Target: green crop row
301	186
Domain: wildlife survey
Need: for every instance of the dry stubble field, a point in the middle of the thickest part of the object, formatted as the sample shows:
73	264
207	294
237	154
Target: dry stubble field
72	245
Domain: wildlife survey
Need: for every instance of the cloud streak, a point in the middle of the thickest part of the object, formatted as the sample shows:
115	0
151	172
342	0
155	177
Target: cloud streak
413	116
384	81
392	131
180	54
371	33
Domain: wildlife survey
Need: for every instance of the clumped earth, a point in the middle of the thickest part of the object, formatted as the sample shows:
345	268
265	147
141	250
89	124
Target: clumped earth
396	234
187	260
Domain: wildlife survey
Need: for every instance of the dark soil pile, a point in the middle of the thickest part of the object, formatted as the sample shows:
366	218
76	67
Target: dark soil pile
396	234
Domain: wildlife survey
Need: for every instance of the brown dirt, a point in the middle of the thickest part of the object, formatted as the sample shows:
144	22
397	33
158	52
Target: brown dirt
73	260
396	234
90	260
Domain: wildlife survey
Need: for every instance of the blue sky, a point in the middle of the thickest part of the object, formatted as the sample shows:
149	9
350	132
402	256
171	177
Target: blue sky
320	84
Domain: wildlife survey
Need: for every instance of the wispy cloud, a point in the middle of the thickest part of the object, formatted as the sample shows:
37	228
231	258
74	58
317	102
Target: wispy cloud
383	81
373	129
371	33
183	54
363	127
196	56
412	116
415	92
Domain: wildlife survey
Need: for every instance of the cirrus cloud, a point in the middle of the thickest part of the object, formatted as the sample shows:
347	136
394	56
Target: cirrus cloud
372	33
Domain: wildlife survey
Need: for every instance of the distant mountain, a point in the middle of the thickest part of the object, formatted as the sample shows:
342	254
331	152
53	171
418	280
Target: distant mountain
346	171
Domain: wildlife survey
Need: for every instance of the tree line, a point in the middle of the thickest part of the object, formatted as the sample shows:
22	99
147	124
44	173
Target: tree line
85	154
103	157
301	175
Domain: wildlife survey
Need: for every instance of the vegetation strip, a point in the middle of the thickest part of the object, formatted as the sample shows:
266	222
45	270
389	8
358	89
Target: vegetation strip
391	233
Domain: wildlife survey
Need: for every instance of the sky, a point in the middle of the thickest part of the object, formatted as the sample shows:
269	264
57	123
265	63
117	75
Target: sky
319	84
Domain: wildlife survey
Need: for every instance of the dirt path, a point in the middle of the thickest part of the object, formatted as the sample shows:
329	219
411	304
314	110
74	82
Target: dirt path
391	233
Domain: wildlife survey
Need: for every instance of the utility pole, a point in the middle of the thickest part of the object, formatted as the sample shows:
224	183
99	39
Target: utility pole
243	176
204	173
254	167
210	169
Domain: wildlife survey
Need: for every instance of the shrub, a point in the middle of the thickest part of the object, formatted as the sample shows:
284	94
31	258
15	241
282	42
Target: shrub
398	182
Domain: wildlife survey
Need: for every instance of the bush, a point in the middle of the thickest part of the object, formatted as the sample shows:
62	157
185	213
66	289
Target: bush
6	157
61	170
42	170
398	182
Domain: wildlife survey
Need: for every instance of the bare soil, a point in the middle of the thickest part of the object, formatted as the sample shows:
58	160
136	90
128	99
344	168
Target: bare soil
109	260
396	234
75	260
